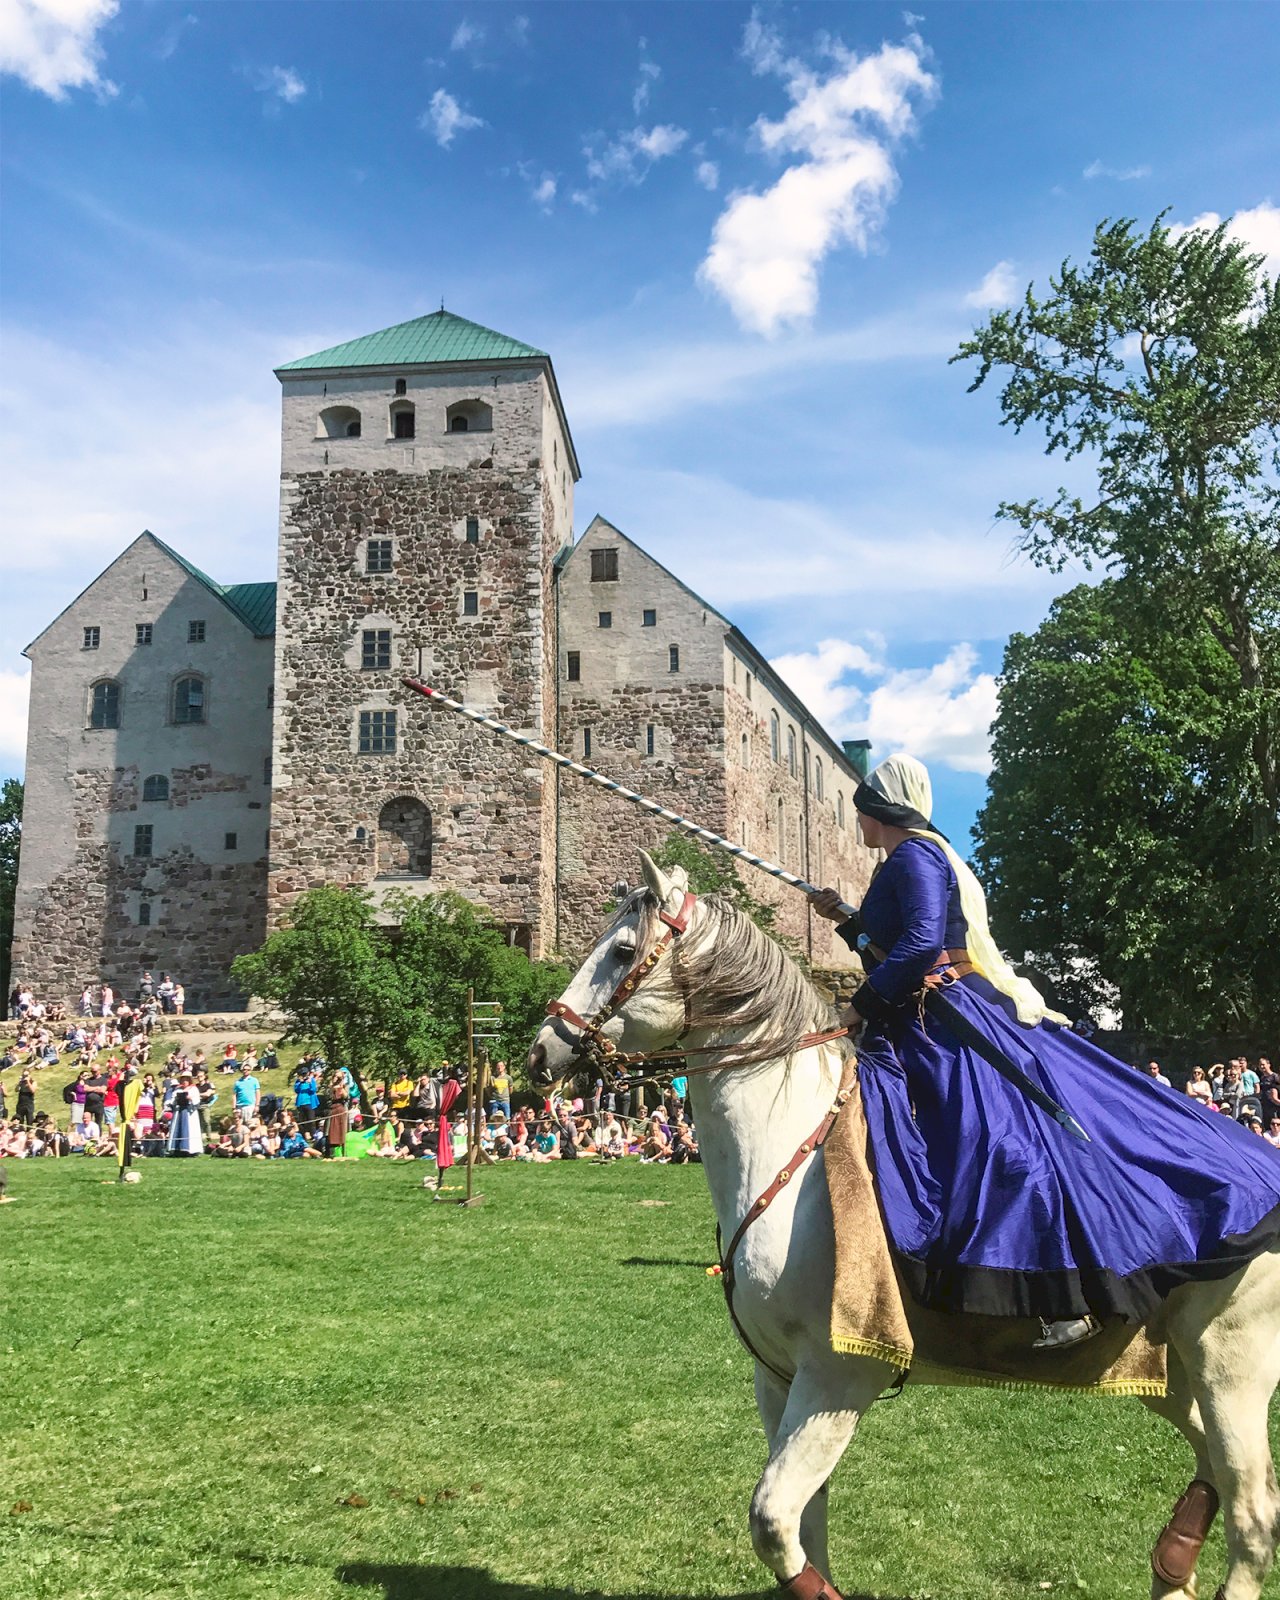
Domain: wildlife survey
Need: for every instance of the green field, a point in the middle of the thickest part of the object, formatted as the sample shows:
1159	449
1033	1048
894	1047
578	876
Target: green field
537	1397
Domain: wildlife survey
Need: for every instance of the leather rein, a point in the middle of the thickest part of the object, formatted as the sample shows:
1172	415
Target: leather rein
594	1042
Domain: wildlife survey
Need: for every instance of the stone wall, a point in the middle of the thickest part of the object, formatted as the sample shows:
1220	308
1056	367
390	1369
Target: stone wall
82	882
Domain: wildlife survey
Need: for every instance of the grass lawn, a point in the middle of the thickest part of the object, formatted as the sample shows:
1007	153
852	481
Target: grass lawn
307	1382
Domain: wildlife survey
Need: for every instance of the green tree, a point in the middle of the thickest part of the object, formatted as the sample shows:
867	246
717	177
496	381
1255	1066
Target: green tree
382	989
1133	826
714	872
10	845
1159	362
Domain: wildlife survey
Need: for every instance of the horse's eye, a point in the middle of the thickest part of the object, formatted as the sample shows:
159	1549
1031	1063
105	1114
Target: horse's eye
624	949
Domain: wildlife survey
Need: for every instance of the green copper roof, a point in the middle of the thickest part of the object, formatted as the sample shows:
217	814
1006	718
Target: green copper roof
438	337
253	603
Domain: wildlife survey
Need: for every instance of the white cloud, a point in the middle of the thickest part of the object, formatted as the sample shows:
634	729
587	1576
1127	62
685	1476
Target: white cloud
173	36
650	72
998	288
445	119
465	35
53	45
766	248
544	191
628	158
15	689
1258	230
1099	169
282	82
708	174
940	713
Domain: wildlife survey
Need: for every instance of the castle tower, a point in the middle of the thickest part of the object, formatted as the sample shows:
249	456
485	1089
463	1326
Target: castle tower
427	477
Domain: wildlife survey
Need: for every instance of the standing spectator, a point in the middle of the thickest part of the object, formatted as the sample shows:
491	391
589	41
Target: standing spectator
95	1089
184	1131
1232	1090
338	1085
400	1093
86	1001
146	987
500	1091
1249	1079
306	1097
622	1094
108	1000
164	993
25	1110
179	1000
246	1093
74	1097
1153	1071
1198	1086
111	1096
208	1094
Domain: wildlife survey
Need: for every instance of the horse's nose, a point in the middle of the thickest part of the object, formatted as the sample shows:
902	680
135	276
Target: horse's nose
539	1072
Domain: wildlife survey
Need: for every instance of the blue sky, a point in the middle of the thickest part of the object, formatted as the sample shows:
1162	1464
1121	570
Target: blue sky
750	238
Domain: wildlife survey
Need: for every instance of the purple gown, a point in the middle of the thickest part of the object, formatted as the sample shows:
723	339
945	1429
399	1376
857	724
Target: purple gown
991	1206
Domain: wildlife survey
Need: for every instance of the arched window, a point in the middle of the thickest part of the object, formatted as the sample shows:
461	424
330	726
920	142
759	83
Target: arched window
775	736
782	830
791	751
104	704
404	839
840	807
339	422
156	787
817	776
469	416
403	419
746	751
188	700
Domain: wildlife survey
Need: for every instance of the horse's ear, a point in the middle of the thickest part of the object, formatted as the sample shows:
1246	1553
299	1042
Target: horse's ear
655	879
679	878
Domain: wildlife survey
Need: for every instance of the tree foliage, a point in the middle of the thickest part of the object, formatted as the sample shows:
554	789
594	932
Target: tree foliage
714	872
10	846
377	990
1133	826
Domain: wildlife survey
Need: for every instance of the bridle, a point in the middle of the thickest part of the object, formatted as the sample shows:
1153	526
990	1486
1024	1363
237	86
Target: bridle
592	1039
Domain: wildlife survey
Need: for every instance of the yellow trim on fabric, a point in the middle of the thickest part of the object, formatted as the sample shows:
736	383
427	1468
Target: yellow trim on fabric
965	1378
845	1345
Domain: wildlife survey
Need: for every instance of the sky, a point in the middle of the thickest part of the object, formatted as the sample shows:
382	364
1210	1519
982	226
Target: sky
751	238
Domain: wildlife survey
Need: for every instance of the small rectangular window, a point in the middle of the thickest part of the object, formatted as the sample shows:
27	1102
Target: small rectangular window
673	658
377	733
470	603
604	566
144	913
271	696
142	633
266	770
473	530
648	740
228	841
748	686
648	619
375	649
586	744
573	666
377	555
404	425
606	619
142	839
195	632
92	638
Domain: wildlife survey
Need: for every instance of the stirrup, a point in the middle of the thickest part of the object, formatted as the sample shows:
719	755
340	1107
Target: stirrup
1060	1335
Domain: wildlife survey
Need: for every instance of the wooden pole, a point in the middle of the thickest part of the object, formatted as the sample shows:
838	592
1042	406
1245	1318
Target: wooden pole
471	1090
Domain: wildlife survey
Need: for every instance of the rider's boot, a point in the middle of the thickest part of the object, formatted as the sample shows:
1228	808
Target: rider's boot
1065	1332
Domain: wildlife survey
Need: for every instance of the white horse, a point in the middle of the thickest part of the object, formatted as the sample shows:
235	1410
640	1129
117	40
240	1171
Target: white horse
719	981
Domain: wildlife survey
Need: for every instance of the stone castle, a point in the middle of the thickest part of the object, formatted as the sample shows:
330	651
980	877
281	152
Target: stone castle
199	755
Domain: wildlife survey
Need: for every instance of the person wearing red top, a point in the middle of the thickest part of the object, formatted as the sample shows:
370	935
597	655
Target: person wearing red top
111	1099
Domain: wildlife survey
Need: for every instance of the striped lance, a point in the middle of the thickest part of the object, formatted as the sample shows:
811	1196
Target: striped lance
613	787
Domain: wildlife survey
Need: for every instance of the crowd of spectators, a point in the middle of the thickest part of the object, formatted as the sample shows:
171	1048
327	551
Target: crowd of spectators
1247	1094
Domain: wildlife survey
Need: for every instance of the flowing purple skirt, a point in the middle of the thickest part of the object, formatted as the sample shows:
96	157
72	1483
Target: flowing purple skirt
993	1208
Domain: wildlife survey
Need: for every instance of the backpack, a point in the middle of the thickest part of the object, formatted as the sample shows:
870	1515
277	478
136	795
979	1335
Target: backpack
69	1094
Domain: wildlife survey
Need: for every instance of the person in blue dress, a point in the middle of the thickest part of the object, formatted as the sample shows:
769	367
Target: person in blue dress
990	1205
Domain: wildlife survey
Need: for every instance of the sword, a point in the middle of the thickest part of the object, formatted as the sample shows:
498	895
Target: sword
946	1013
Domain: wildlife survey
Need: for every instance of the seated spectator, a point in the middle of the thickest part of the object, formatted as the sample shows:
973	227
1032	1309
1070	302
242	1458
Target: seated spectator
546	1145
684	1147
656	1145
268	1061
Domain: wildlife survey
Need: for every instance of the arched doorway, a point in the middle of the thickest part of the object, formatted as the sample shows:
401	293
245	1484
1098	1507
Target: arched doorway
404	839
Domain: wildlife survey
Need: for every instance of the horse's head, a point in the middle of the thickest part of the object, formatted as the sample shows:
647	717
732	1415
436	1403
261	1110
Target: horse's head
623	996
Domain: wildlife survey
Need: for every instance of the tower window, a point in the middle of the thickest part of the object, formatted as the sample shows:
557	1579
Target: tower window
144	913
377	555
188	699
473	530
404	839
401	386
339	422
266	769
92	639
775	736
271	696
606	619
458	424
573	666
195	632
840	807
104	705
353	429
649	619
468	416
746	751
817	776
673	658
604	566
748	686
142	839
791	751
375	649
470	603
403	421
377	733
142	633
648	740
155	787
228	841
586	744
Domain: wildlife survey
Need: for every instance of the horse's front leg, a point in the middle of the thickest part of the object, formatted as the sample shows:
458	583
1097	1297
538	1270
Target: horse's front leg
771	1401
821	1412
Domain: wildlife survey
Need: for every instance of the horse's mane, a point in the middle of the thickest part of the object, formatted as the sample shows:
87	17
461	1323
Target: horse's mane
734	974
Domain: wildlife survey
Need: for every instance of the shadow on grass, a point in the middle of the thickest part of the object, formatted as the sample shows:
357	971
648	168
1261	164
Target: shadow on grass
661	1261
475	1583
